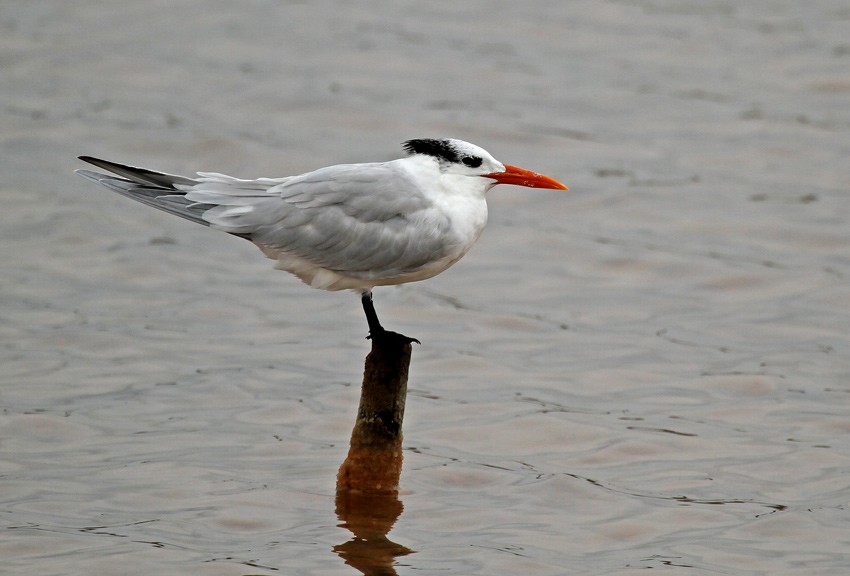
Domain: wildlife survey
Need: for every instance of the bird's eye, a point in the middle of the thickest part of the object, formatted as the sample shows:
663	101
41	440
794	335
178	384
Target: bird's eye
471	161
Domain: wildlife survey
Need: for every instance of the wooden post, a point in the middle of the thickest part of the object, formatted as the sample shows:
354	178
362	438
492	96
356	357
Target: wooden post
367	500
374	457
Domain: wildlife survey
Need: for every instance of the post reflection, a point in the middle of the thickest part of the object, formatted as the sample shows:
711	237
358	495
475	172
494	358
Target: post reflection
369	517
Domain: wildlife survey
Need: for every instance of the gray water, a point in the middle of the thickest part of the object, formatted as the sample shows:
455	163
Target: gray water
650	371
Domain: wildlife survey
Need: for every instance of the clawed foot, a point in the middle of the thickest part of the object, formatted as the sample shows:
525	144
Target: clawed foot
386	336
376	331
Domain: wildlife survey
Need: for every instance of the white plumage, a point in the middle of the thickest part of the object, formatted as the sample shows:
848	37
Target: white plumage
349	226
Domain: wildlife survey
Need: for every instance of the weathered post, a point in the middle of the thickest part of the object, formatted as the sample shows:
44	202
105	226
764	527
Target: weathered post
375	457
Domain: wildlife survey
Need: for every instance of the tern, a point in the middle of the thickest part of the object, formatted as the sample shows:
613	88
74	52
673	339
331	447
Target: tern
348	226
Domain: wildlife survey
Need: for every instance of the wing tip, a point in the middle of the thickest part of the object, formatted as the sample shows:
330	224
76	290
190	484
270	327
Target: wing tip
89	159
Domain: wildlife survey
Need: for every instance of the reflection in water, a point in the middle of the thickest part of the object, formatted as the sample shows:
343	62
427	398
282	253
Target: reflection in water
369	517
367	500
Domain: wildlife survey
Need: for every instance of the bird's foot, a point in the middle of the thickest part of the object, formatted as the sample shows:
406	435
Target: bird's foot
376	331
386	336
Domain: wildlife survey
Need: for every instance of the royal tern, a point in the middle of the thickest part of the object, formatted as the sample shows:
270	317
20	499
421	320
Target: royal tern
349	226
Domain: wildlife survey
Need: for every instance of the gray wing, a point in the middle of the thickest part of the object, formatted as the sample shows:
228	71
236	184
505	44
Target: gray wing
157	189
360	220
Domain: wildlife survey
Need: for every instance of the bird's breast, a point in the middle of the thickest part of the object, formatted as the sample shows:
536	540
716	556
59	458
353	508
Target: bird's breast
466	217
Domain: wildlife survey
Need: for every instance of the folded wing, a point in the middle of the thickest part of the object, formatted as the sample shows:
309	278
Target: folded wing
360	221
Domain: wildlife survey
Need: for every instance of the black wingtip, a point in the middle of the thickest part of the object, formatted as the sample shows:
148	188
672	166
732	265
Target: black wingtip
140	175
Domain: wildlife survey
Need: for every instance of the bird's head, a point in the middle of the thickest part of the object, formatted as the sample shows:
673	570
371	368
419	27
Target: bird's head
462	158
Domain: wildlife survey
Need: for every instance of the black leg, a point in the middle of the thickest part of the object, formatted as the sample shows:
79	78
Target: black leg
376	331
375	327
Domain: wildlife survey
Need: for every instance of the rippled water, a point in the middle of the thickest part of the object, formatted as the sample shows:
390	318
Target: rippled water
647	372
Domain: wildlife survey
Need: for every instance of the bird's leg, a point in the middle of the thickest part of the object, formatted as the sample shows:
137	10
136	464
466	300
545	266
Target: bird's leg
375	327
376	331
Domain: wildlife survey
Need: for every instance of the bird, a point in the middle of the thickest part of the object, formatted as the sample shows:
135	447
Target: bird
346	226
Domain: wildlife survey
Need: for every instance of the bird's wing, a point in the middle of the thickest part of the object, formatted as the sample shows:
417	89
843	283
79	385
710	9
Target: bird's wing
157	189
169	192
360	220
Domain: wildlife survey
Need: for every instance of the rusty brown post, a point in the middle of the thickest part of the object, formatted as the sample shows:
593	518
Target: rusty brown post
367	500
375	457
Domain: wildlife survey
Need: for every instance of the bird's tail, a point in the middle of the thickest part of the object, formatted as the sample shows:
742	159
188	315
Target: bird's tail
166	192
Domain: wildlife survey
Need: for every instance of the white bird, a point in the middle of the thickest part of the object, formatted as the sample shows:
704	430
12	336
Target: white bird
349	226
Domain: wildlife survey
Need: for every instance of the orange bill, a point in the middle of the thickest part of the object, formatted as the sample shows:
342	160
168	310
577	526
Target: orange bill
523	177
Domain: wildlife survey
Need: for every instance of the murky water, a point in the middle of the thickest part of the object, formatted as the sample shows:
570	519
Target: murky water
651	371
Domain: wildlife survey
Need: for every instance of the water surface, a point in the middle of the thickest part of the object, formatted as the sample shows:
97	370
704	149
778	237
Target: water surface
647	372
